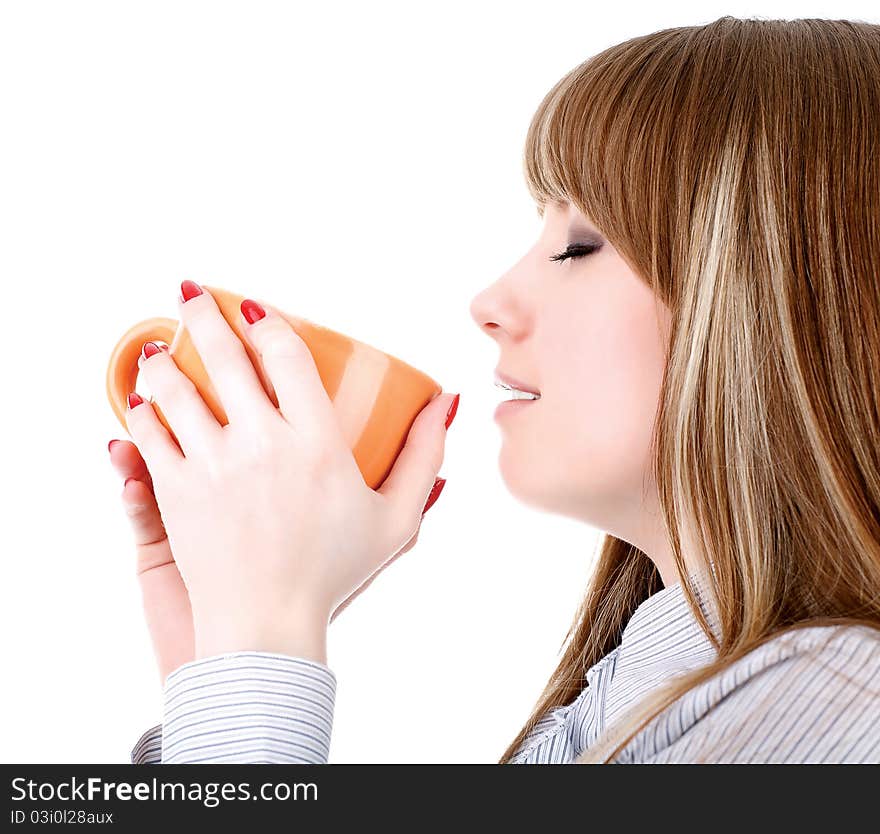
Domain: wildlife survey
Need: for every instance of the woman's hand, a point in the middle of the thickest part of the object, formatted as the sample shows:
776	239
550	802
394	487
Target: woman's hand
166	604
269	518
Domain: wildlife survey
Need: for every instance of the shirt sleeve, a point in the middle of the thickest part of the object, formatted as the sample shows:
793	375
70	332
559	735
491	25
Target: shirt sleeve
148	749
243	707
810	697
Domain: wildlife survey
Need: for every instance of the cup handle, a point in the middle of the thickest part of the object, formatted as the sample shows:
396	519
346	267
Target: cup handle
122	369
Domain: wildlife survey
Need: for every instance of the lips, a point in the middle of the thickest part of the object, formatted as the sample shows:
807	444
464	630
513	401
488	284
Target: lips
516	383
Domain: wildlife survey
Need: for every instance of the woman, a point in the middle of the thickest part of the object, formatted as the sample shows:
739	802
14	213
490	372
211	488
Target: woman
709	261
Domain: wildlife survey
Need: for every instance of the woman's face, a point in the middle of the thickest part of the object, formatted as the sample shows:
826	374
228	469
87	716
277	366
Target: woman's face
590	336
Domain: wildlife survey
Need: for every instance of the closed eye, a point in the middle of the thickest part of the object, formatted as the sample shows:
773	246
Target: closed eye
575	250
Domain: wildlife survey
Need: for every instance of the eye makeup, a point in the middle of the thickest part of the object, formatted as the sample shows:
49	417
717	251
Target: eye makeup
576	250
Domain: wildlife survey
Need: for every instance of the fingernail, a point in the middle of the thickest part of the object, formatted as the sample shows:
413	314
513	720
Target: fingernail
189	290
110	445
434	494
450	415
126	482
252	311
134	400
149	349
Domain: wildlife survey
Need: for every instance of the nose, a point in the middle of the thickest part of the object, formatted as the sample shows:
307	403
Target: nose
486	313
479	309
500	309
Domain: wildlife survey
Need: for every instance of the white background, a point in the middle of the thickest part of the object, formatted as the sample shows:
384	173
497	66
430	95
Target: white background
358	164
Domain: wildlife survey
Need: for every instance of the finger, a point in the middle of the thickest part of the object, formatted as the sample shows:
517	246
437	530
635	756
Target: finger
156	446
224	356
302	399
128	462
194	424
434	494
409	485
143	512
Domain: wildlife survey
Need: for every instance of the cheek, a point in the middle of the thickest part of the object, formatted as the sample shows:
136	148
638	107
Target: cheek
603	422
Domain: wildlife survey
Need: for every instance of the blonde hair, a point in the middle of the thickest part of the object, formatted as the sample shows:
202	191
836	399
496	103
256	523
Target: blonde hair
736	167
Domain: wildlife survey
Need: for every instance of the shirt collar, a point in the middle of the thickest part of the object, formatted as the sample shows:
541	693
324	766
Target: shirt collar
670	604
662	636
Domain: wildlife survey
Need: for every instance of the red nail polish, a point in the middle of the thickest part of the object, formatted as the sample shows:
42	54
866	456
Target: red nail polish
434	494
450	415
189	289
134	400
252	311
110	445
149	349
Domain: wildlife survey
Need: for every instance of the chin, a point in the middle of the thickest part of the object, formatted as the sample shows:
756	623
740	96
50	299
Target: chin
532	486
548	489
516	474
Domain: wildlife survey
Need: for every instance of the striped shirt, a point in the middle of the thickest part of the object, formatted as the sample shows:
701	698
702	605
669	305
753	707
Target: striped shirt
811	695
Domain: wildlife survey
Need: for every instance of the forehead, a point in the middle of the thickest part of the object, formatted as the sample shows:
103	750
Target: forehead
563	211
557	210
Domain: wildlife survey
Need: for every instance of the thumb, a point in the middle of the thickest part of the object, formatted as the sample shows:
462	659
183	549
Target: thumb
411	480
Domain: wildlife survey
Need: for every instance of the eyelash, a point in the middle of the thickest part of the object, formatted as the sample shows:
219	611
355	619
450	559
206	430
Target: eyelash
575	250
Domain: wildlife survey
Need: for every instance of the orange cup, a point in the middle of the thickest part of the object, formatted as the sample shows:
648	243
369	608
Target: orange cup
375	395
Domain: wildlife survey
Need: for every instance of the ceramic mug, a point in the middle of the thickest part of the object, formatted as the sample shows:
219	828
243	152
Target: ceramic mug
376	396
